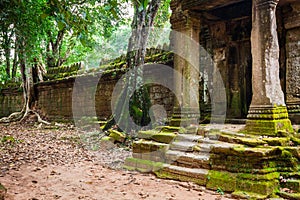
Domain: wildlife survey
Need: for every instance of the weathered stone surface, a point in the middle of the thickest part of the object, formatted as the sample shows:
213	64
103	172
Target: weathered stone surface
292	23
198	176
267	92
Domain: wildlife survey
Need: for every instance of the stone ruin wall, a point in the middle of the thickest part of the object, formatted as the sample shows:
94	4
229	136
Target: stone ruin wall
55	98
11	100
291	16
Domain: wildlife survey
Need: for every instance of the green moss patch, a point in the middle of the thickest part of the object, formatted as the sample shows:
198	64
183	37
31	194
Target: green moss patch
144	146
248	195
259	177
163	137
117	135
277	141
259	187
221	179
252	142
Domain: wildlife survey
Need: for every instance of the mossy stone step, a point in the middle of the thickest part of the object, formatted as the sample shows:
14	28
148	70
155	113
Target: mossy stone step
240	150
198	176
252	142
191	160
145	146
248	195
163	137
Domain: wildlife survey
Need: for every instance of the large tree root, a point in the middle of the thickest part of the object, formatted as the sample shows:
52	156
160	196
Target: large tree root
21	116
16	116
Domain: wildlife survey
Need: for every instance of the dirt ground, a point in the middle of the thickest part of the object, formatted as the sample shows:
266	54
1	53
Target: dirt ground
65	163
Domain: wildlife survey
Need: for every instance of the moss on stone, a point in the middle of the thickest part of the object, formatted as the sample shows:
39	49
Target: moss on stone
146	134
117	135
163	137
170	129
248	195
250	141
296	141
259	177
277	141
142	165
221	179
107	138
144	146
271	122
278	127
259	187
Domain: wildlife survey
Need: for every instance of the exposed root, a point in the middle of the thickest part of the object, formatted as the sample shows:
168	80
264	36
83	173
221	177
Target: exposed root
16	116
20	117
39	119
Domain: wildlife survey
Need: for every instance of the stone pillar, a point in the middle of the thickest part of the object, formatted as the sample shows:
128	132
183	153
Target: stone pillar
185	43
267	114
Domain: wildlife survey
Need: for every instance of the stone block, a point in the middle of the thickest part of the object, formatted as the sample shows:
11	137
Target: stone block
117	135
221	179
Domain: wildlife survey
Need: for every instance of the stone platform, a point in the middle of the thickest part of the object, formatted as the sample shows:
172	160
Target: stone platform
248	166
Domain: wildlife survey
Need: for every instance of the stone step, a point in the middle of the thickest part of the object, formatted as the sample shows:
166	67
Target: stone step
291	184
191	160
183	146
203	145
188	137
196	175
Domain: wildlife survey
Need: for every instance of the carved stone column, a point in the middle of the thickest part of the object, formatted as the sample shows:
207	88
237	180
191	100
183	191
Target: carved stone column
185	43
267	114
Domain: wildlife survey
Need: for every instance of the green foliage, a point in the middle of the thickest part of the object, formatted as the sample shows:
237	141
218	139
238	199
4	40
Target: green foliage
220	191
8	139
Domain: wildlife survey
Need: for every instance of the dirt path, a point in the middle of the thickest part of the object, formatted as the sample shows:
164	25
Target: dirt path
45	164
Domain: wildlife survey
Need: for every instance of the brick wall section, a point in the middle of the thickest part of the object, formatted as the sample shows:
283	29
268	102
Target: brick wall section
11	100
55	97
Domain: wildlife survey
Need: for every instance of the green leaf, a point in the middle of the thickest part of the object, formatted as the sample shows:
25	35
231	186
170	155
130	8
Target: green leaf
44	16
61	25
145	4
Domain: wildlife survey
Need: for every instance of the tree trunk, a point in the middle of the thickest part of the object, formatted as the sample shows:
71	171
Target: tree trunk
7	58
53	49
28	92
139	103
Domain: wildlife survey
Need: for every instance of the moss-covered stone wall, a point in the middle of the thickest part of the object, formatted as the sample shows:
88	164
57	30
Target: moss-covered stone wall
55	97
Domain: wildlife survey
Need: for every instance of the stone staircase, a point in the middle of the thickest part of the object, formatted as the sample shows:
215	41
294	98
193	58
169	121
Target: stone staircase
246	165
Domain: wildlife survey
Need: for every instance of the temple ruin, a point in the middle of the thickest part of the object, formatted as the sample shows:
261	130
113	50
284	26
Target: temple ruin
254	44
238	62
